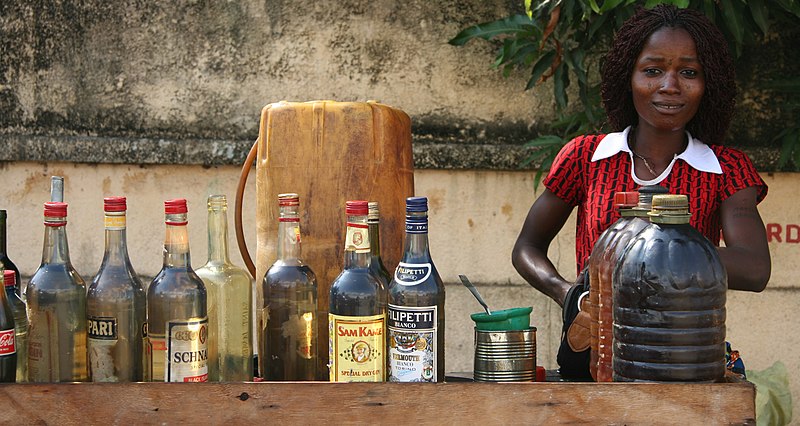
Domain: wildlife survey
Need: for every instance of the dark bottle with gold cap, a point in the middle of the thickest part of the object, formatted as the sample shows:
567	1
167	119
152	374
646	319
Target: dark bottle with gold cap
669	290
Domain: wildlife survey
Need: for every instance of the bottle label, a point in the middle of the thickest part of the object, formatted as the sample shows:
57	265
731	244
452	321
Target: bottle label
101	333
42	336
8	344
115	223
418	227
411	274
357	348
412	343
357	238
187	351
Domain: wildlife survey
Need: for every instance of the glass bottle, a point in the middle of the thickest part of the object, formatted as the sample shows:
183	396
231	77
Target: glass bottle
177	319
8	341
56	297
357	314
669	291
18	311
375	261
289	341
230	298
115	306
5	262
416	306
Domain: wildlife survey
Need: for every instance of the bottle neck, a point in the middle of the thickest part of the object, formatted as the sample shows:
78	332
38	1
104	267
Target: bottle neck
116	240
218	235
374	237
2	232
416	242
176	242
357	243
56	248
288	239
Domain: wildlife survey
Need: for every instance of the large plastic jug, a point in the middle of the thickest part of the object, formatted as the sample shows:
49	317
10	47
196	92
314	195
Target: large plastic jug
669	290
328	152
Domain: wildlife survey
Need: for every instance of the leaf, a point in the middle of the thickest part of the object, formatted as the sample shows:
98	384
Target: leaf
511	25
596	24
542	65
609	5
788	141
594	6
758	10
733	21
560	84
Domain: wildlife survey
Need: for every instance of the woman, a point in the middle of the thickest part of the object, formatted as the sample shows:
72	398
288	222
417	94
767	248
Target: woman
668	89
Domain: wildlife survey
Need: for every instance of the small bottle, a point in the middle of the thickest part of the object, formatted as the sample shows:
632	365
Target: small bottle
56	297
18	310
416	306
115	306
289	341
375	261
5	262
357	314
230	298
8	342
177	317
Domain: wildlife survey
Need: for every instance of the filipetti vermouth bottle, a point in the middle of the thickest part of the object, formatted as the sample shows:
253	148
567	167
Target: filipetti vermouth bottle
18	310
115	306
357	315
289	341
415	321
56	297
177	319
230	299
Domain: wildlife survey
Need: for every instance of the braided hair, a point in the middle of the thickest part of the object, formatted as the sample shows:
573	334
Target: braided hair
713	117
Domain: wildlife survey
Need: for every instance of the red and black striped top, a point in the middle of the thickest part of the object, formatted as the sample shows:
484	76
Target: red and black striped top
590	186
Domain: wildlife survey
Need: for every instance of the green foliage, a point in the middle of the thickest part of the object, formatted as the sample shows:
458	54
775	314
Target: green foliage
561	41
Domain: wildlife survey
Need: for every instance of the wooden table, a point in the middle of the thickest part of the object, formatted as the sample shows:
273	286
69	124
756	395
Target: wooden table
377	403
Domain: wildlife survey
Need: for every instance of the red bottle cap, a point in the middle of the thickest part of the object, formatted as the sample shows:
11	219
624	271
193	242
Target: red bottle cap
9	277
176	206
289	199
626	199
115	204
357	208
55	209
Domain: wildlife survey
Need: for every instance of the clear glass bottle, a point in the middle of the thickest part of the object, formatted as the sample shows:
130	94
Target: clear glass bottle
56	297
357	314
230	299
115	306
415	322
375	262
289	340
18	310
5	262
177	317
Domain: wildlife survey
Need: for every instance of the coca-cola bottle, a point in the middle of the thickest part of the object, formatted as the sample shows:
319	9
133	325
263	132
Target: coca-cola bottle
56	297
177	317
5	262
289	342
115	306
357	314
230	300
8	347
19	311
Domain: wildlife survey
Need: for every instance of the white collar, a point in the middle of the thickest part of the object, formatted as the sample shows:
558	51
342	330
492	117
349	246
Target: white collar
697	154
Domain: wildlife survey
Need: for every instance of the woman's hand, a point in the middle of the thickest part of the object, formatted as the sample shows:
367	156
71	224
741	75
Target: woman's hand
545	219
746	253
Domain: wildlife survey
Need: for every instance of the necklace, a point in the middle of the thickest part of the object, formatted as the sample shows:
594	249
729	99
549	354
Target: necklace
646	164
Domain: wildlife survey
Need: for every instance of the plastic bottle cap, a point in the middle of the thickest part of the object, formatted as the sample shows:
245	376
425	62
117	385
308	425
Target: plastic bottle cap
357	208
626	199
115	204
288	199
417	204
55	209
176	206
9	277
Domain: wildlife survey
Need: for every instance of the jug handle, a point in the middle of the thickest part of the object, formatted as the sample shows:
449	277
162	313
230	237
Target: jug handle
237	215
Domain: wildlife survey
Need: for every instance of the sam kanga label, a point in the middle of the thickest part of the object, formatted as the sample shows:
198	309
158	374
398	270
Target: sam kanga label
187	351
357	348
412	343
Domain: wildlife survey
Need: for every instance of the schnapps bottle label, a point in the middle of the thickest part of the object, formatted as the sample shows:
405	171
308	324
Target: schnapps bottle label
187	351
412	340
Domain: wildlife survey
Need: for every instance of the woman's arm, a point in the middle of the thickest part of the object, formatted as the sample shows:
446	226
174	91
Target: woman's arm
746	253
545	219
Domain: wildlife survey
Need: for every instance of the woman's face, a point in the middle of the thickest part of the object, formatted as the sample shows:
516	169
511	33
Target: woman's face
667	82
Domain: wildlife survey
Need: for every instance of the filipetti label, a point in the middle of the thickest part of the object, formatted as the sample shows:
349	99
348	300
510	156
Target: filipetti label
411	274
412	343
8	343
187	351
101	333
357	348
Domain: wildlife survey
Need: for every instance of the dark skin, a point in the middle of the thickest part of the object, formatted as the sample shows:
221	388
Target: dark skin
667	85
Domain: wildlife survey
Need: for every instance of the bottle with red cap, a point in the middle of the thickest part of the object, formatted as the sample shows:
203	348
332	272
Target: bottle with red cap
8	343
5	262
18	311
357	314
177	316
56	297
115	306
289	343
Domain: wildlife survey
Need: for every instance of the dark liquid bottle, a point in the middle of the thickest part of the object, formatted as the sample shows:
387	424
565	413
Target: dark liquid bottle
19	311
288	340
376	262
8	346
669	301
5	262
416	306
357	315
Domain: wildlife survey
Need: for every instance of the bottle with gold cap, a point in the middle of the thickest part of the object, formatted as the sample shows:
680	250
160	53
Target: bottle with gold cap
669	290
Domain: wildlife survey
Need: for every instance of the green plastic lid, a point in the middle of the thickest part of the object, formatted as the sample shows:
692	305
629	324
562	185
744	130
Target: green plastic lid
506	320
